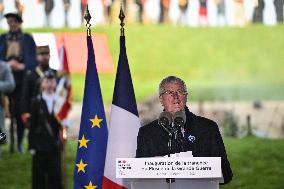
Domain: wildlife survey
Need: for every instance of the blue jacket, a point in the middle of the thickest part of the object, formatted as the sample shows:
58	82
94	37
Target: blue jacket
28	47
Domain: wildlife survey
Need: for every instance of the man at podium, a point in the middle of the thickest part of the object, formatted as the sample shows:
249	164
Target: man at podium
179	130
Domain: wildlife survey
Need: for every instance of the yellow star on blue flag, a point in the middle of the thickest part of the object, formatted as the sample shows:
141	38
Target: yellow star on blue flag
90	186
96	121
81	166
83	142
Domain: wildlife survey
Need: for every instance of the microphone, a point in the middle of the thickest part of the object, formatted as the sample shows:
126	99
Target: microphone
179	119
165	120
2	137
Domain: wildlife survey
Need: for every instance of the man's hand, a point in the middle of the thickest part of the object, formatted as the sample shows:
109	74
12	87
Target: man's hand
16	66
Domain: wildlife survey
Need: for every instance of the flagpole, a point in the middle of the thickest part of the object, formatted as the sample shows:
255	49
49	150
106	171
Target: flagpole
121	17
87	17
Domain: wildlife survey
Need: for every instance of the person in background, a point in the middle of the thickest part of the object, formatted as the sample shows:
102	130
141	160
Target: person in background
45	142
32	80
107	10
7	85
183	5
199	135
2	7
258	11
239	13
279	10
19	6
203	13
48	7
164	11
66	4
221	12
18	49
140	4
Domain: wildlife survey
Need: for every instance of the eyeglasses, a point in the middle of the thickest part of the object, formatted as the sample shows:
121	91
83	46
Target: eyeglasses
178	92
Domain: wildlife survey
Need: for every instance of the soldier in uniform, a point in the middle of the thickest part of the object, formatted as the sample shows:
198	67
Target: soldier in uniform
31	84
45	143
18	49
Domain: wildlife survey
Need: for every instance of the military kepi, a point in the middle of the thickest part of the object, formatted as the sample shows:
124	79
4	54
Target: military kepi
43	49
14	15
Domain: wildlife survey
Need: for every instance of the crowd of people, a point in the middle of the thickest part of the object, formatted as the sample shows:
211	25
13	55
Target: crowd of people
143	11
28	98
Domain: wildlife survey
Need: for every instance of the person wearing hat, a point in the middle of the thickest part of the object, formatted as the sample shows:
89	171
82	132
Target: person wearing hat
45	143
18	49
32	79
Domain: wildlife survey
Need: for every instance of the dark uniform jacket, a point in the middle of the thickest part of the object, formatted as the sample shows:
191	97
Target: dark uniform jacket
202	137
44	134
27	54
31	88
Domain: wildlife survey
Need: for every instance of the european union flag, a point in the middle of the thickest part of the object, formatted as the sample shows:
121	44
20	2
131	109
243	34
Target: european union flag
91	150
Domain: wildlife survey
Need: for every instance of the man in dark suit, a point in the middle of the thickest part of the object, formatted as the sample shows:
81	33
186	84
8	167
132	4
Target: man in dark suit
199	135
45	143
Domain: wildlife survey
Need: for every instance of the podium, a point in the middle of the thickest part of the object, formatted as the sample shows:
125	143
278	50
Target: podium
178	184
153	173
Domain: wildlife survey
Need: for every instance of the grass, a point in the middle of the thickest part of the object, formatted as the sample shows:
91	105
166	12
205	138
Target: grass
225	64
256	163
217	63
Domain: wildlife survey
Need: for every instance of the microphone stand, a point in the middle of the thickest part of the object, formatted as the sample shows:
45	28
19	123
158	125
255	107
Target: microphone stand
170	180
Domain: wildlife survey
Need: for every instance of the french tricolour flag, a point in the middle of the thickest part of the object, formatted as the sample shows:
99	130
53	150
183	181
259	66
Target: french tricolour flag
63	89
124	122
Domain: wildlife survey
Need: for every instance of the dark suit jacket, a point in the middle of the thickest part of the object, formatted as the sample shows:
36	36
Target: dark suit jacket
41	138
153	140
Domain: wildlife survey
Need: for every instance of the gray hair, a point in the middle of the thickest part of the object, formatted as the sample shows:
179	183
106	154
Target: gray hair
171	79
